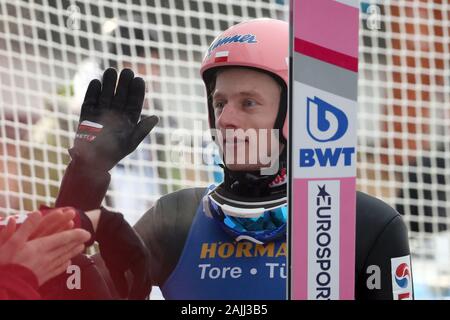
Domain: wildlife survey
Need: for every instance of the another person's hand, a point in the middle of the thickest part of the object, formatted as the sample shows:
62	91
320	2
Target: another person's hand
46	256
7	229
53	221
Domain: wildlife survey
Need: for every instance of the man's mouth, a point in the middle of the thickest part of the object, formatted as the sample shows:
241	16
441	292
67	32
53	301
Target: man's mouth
233	141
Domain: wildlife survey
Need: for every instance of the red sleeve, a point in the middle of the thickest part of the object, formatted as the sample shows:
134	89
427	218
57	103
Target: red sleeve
18	283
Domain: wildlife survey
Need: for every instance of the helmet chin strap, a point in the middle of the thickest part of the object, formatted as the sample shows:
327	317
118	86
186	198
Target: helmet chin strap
253	183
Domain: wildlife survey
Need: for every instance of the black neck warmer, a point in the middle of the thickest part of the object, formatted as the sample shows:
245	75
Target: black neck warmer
252	184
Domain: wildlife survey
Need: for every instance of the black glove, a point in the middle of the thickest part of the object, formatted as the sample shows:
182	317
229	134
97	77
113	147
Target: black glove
123	250
108	131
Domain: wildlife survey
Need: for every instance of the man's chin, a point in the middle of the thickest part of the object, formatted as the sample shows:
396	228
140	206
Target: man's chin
243	167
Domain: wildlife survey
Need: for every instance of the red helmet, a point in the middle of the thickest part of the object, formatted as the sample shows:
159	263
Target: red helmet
259	43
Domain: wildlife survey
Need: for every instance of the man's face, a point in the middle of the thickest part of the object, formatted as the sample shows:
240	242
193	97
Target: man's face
248	100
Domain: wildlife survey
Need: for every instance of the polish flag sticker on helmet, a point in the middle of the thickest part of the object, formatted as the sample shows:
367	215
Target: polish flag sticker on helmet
221	56
401	278
88	130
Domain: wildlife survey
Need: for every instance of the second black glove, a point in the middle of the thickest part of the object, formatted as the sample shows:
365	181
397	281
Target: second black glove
123	250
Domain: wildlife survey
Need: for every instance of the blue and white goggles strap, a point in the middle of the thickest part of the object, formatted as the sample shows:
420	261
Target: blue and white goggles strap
261	228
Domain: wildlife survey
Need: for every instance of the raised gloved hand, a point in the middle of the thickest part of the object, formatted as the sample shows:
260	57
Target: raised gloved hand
109	130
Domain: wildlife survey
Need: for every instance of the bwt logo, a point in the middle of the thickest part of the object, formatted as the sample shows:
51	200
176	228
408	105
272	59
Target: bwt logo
402	275
325	123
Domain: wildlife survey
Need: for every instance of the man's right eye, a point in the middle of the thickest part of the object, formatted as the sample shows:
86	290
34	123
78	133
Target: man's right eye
218	105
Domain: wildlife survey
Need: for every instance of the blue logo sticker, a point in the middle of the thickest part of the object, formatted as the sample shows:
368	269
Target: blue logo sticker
325	122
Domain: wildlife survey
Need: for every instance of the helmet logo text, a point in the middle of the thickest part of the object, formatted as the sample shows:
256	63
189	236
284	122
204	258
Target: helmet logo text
242	38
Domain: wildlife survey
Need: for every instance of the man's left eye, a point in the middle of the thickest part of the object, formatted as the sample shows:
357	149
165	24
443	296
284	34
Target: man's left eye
249	103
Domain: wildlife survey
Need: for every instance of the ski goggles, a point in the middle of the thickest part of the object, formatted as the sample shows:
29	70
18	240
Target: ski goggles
267	226
244	208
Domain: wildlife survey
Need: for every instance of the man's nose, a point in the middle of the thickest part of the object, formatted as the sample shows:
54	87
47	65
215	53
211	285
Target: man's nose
228	118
